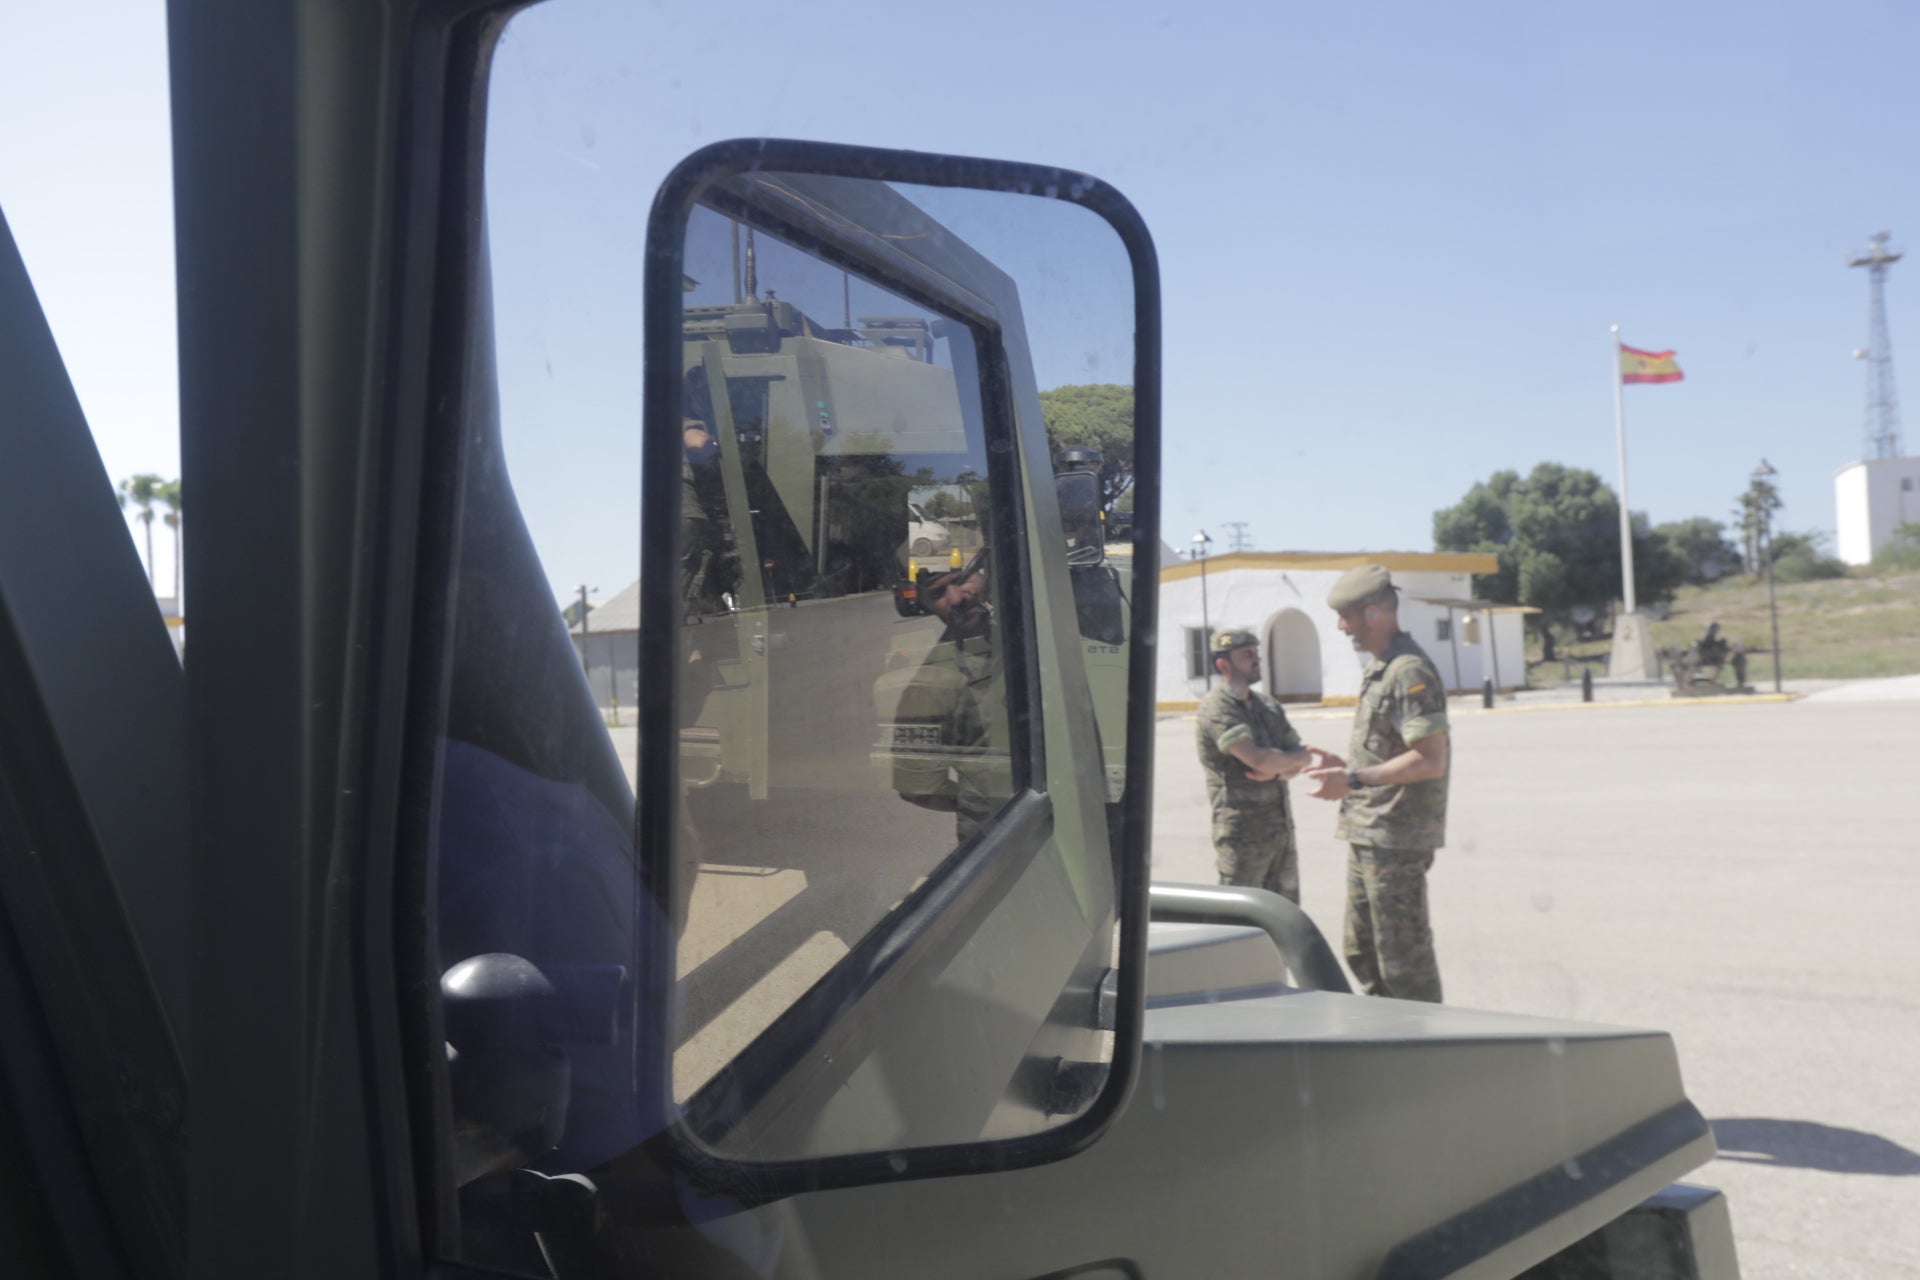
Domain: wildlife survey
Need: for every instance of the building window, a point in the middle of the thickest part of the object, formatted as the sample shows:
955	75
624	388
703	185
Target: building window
1197	668
1443	629
1906	484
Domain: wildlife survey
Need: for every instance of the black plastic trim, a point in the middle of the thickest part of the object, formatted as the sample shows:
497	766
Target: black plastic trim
437	221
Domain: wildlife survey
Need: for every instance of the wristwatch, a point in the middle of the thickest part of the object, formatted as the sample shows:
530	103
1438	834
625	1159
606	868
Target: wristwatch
1353	781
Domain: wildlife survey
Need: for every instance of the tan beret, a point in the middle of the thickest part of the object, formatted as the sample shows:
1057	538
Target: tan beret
1358	584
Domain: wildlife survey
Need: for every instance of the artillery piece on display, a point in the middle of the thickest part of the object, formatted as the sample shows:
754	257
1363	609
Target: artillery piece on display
1698	668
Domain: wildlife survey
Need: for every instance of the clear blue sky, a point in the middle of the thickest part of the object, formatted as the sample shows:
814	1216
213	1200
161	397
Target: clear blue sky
1392	236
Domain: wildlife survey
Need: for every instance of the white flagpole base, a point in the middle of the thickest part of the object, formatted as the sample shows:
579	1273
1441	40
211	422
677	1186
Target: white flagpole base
1633	657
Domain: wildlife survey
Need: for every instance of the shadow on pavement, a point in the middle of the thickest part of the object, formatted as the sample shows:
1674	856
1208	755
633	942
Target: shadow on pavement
1806	1144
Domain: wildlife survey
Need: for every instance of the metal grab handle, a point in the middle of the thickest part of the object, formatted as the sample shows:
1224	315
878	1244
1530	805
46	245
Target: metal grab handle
1309	959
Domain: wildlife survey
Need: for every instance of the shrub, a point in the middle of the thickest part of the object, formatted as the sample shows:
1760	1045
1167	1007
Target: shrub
1806	564
1902	550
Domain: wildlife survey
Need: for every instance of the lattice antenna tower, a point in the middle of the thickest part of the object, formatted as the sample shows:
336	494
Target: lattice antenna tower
1237	531
1883	400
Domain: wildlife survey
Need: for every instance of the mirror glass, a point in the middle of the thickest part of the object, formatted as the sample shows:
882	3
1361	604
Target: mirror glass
1081	517
869	539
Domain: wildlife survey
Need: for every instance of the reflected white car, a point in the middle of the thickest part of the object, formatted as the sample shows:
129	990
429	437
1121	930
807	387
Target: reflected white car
924	536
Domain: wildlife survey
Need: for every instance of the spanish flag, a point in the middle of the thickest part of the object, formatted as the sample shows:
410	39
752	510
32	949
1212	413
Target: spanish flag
1647	366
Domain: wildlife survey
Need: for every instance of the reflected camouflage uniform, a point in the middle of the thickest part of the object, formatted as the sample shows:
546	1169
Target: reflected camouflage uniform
1253	840
1394	831
948	737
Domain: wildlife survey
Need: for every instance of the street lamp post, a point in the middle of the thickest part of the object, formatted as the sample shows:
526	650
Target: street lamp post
1761	472
1200	541
585	590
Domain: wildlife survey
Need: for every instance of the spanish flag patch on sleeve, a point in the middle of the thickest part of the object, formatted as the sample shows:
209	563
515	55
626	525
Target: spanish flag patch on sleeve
1419	688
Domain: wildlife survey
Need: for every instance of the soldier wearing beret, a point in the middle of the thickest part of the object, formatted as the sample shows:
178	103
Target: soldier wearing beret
1392	790
1247	750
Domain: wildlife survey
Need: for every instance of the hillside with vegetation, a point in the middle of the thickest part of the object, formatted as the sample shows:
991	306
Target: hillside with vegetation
1554	533
1865	623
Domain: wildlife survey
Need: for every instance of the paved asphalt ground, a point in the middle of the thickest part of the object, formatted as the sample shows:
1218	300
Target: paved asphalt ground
1746	877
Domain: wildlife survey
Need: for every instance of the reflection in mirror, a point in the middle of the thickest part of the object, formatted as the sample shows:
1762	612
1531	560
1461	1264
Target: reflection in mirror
857	682
1081	519
1076	296
836	747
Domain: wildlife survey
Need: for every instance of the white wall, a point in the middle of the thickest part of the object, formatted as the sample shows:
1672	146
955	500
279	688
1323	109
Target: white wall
1287	609
1871	500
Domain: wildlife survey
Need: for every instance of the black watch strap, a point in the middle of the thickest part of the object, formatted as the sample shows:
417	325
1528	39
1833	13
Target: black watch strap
1353	781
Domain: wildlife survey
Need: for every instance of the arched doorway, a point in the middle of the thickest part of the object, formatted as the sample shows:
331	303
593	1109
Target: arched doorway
1290	645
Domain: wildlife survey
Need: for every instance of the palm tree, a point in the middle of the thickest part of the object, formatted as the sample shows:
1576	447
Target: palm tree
141	492
169	496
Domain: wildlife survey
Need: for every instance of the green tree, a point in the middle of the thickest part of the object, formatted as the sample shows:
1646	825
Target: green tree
140	492
1101	416
945	504
1557	535
1703	548
168	495
1753	516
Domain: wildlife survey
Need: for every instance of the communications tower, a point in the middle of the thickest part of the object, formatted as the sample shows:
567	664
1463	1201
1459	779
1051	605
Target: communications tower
1883	401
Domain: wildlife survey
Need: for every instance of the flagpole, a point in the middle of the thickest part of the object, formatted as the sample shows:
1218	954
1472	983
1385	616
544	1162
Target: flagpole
1620	440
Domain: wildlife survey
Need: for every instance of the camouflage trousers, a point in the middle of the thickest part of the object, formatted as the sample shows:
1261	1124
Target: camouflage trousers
1389	940
1254	847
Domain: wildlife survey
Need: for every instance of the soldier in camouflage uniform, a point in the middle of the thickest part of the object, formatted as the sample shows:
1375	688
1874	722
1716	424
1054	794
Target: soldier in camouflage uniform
1392	791
1248	750
948	734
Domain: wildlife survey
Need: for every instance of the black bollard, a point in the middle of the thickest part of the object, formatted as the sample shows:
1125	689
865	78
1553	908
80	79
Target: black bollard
1486	694
1586	684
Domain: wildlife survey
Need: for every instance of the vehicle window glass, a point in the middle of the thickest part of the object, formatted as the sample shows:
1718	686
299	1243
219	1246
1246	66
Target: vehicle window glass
844	688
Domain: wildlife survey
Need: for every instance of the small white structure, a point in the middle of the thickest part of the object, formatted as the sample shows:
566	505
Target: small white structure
1871	499
1282	598
609	648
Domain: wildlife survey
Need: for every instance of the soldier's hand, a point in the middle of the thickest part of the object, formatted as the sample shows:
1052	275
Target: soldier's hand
1327	784
1319	759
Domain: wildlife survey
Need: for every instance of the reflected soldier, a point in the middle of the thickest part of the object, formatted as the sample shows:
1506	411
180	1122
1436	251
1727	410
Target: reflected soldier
948	739
706	571
1247	751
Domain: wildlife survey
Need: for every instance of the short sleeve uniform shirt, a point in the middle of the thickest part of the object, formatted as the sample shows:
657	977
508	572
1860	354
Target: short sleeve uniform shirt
1224	723
1402	700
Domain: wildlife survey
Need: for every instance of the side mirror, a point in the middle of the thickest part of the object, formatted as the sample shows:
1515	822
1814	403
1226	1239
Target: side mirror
896	910
1080	517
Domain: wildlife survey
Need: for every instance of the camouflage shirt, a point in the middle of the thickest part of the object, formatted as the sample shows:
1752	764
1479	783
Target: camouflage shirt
1402	700
1224	723
947	733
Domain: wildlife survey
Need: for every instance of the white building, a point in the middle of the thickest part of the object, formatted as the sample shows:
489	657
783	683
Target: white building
1282	598
609	648
1871	500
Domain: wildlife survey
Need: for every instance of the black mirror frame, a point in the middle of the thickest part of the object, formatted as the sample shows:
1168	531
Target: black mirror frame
658	756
